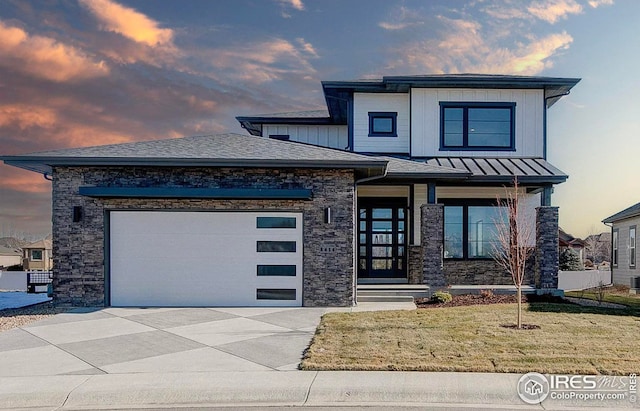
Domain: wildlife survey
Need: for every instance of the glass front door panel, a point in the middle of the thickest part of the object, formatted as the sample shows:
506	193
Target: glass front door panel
381	234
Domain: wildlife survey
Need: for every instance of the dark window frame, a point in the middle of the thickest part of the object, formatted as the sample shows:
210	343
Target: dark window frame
633	256
615	247
275	222
276	270
465	132
272	294
276	246
393	116
465	204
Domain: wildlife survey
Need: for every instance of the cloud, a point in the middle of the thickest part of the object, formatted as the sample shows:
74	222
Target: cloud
296	4
598	3
553	10
266	61
45	57
464	48
401	19
128	22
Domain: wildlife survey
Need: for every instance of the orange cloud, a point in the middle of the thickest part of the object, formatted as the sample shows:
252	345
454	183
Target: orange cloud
554	10
45	57
23	181
128	22
23	117
296	4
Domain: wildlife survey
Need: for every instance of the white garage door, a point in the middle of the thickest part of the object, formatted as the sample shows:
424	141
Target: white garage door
189	259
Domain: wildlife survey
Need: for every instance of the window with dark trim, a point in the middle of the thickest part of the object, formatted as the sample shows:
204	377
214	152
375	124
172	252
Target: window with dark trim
614	248
477	126
470	229
36	255
275	222
276	270
276	246
276	294
383	124
632	246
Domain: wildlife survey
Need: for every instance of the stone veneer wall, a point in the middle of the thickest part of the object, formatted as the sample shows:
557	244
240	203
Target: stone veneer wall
547	247
414	272
432	242
79	248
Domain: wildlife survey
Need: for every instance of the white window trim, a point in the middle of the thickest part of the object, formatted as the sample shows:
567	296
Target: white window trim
632	246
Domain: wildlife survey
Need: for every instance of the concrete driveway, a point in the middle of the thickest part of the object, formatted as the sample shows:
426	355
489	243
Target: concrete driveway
159	340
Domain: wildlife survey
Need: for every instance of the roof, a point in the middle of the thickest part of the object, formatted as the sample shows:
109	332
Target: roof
222	150
404	168
43	244
503	169
632	211
8	251
337	93
252	123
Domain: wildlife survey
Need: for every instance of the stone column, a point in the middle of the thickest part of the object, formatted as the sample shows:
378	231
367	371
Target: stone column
432	236
547	247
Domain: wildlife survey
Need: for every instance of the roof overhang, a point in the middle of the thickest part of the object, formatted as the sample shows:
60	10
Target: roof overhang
253	124
45	165
631	212
338	93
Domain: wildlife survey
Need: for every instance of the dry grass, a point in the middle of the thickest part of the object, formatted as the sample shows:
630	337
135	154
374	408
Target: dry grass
571	339
618	294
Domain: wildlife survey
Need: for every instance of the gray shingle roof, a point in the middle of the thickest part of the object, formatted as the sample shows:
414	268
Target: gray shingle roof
232	150
632	211
528	170
398	168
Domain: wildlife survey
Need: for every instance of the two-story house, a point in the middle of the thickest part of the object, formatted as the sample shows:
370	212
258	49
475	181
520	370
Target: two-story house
398	181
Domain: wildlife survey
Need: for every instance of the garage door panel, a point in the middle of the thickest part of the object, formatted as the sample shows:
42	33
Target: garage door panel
199	259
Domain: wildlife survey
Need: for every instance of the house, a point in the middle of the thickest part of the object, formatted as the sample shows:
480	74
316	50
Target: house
623	245
37	256
567	241
9	256
396	182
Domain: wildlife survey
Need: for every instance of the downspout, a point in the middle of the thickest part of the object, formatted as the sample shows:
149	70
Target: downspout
611	255
355	254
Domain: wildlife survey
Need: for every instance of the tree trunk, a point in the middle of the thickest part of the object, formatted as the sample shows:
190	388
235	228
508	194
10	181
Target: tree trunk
519	294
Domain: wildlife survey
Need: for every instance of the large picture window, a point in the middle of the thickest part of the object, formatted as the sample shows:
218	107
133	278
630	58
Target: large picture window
470	229
477	126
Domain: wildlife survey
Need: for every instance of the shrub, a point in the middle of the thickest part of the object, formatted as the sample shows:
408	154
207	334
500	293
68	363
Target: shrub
570	260
486	293
441	297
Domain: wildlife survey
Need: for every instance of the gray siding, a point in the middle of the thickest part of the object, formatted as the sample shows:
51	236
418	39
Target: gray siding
623	273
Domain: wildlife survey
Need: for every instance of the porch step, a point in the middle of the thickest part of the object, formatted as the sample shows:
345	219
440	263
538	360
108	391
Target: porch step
391	292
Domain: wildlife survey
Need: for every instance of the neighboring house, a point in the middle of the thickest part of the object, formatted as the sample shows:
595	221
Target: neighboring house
396	183
598	248
566	241
624	258
37	256
9	256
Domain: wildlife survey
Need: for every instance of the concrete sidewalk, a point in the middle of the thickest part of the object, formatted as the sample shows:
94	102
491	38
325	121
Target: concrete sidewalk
268	388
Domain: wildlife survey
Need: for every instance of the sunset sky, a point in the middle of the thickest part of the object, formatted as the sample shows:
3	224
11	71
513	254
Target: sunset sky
90	72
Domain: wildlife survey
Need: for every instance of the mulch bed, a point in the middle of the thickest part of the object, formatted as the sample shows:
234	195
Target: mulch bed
477	299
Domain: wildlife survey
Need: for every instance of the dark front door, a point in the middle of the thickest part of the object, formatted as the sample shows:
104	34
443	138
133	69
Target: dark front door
382	249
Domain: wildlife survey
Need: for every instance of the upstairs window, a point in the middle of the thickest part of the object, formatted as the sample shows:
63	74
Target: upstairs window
383	124
36	255
477	126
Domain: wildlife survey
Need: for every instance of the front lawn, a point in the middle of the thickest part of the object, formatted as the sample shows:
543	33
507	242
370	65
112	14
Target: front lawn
571	339
616	294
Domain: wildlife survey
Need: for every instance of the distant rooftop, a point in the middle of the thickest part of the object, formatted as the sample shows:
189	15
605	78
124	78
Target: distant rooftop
632	211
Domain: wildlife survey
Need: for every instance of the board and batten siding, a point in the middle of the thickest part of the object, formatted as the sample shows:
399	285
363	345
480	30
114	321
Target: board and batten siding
321	135
622	273
363	104
425	120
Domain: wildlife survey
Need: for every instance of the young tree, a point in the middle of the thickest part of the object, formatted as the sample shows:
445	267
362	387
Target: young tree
514	234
